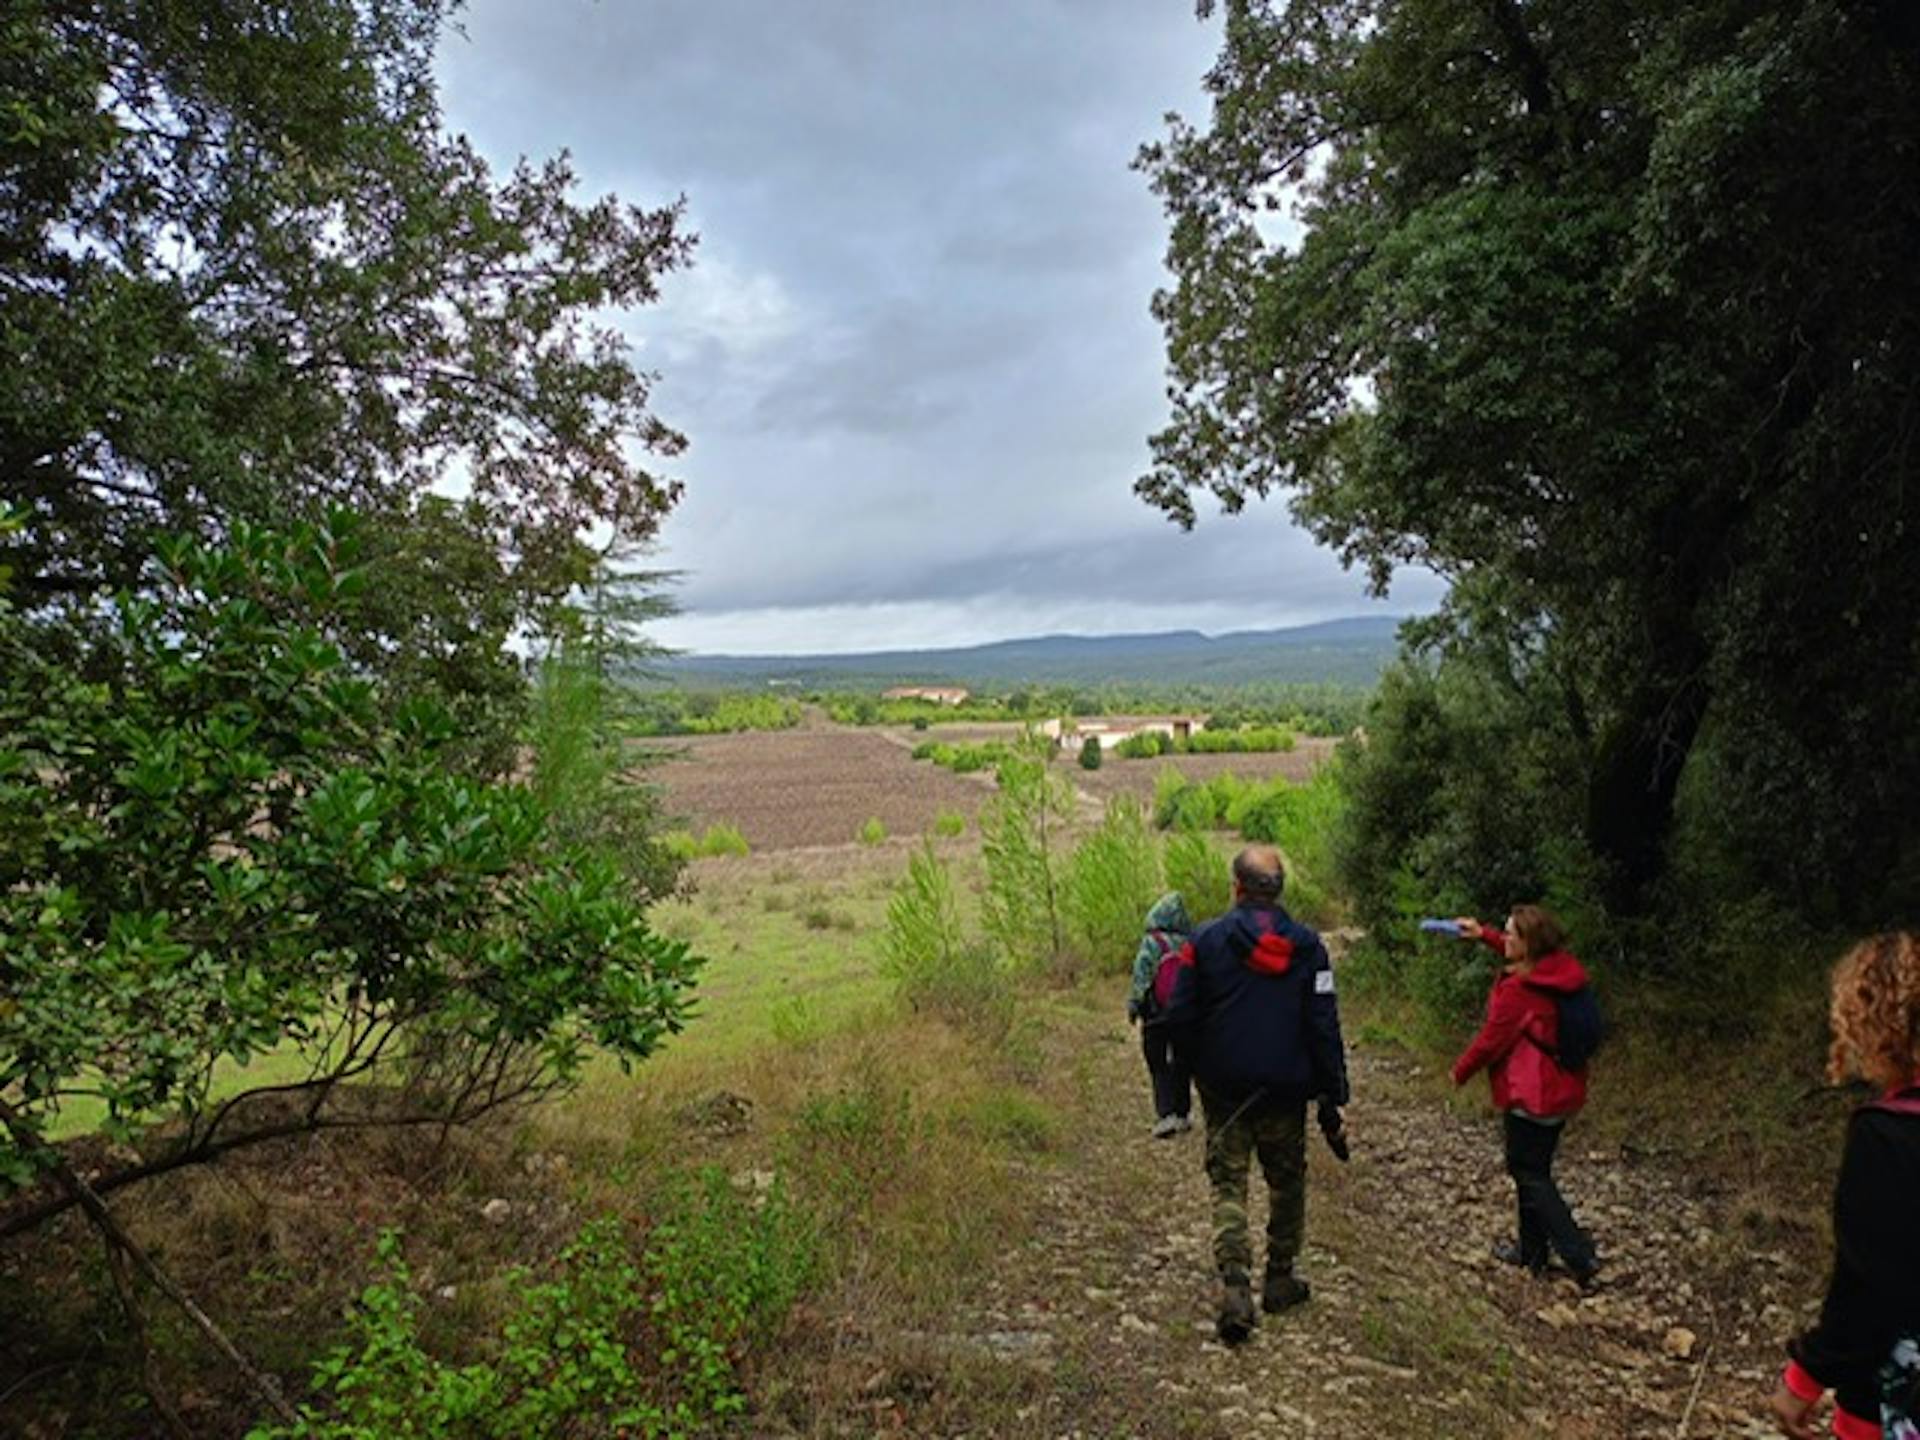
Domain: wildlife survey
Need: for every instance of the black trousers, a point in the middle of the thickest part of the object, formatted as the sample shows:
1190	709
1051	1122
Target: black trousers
1172	1084
1545	1220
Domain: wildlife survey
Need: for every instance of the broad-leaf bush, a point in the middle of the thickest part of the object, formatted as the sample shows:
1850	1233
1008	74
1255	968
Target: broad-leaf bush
219	838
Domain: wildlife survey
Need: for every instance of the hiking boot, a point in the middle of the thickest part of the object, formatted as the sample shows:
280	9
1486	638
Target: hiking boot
1508	1253
1186	1123
1236	1319
1588	1279
1166	1127
1283	1290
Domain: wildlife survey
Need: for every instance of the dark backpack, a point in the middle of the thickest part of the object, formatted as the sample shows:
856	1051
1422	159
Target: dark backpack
1580	1028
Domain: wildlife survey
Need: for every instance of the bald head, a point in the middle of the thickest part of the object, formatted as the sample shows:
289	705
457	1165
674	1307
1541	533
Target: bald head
1258	874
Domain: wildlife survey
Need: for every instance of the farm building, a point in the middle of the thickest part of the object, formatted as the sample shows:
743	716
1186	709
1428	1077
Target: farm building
1110	730
938	694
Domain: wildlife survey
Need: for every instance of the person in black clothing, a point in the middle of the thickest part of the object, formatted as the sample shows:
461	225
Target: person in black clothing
1252	1010
1873	1299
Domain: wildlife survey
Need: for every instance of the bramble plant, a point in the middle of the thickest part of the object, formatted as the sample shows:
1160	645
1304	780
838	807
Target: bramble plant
220	838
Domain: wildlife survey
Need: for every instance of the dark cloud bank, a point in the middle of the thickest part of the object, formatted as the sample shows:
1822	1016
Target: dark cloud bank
914	356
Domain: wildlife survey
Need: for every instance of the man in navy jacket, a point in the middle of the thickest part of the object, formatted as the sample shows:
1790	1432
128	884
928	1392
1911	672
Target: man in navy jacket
1252	1007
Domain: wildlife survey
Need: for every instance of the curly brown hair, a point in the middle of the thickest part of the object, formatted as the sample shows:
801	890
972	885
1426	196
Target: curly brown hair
1876	1011
1540	931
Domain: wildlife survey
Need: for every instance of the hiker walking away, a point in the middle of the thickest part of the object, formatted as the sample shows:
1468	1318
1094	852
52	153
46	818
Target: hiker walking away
1168	928
1537	1087
1252	1003
1866	1346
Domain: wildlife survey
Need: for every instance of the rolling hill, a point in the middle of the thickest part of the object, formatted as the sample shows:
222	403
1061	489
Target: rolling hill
1347	652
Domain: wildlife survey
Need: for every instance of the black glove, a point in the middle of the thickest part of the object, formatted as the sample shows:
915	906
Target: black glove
1133	1012
1335	1130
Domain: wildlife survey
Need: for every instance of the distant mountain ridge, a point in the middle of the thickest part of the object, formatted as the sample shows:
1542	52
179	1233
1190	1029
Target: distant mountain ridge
1346	652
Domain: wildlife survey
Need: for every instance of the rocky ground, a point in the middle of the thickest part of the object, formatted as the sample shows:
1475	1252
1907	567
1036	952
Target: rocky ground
1102	1322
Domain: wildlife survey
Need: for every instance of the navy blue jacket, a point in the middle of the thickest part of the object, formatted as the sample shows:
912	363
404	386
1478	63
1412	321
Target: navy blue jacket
1252	1010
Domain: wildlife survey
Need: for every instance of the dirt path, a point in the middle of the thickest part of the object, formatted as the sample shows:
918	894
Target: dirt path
1102	1321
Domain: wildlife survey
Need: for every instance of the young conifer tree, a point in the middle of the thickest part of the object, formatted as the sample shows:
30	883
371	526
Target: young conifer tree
1021	834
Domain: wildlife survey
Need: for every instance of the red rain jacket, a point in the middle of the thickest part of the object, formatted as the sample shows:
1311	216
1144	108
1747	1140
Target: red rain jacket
1516	1043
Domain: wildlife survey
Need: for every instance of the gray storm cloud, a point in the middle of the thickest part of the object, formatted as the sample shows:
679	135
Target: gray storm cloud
914	356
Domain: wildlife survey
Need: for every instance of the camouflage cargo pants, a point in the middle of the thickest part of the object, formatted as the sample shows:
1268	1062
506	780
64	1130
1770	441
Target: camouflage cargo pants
1277	1133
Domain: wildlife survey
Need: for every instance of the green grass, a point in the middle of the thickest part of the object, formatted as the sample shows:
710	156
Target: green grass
810	950
84	1114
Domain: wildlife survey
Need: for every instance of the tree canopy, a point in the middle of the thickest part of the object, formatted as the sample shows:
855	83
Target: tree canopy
1605	312
246	274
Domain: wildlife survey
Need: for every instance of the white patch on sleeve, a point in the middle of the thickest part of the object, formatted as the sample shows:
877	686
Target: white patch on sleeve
1323	983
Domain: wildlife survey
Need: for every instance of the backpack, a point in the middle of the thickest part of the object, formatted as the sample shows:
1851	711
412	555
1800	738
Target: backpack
1579	1030
1153	1004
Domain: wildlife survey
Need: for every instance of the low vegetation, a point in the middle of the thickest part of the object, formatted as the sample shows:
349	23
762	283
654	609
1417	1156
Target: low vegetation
705	712
716	840
961	759
1250	740
931	961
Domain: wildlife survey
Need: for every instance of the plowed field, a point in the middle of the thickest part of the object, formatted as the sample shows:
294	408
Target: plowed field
791	788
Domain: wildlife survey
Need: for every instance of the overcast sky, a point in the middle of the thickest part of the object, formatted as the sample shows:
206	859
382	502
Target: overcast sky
913	355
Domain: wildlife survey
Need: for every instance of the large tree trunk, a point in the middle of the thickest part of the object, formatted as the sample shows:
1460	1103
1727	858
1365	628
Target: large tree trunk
1631	788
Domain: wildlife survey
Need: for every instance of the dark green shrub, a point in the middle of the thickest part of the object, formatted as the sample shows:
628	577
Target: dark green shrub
1090	753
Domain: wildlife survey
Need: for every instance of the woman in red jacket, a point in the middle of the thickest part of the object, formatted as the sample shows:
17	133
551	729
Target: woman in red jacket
1517	1047
1866	1346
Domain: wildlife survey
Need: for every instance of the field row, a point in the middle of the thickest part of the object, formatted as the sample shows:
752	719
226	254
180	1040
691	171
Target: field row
793	789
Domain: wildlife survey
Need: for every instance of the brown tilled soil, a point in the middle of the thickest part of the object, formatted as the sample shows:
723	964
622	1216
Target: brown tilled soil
819	784
792	788
1100	1321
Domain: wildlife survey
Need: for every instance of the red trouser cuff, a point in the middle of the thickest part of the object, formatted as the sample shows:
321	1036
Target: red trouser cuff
1849	1426
1802	1385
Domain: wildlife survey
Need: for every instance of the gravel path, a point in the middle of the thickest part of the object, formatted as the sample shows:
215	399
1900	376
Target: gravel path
1100	1323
